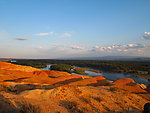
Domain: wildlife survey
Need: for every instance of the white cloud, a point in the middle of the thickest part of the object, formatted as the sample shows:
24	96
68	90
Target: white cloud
44	34
130	45
68	47
59	50
66	35
113	47
109	47
148	33
99	48
79	50
120	48
134	46
39	48
106	48
77	47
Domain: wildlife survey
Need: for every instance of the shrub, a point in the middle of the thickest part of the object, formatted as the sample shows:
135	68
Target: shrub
73	107
79	71
29	108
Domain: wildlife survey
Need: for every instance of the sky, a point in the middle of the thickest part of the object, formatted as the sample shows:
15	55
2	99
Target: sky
74	28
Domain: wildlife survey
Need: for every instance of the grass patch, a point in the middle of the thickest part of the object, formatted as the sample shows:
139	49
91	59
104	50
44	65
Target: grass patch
29	108
72	107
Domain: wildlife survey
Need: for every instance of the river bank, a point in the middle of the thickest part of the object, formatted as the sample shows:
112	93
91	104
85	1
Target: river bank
108	76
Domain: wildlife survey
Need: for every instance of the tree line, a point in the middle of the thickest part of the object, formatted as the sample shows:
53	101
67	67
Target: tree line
131	67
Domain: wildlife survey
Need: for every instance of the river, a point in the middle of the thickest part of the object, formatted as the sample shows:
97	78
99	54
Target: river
111	76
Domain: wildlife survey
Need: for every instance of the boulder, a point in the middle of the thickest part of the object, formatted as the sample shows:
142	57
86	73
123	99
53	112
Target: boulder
124	81
143	86
40	73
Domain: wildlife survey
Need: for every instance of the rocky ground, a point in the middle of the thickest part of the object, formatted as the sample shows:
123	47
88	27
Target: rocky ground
26	89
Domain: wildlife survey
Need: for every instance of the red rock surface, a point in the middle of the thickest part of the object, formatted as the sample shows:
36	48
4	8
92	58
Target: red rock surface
129	85
124	81
16	73
9	66
88	81
40	73
62	92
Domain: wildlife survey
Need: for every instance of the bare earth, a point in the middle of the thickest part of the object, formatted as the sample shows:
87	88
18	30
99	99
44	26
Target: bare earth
24	89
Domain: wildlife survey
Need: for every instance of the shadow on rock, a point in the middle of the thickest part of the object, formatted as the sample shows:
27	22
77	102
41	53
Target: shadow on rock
100	83
6	106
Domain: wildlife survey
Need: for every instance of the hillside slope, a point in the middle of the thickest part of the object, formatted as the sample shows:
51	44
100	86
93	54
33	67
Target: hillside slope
25	88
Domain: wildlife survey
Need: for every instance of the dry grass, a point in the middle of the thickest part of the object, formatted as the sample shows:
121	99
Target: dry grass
26	107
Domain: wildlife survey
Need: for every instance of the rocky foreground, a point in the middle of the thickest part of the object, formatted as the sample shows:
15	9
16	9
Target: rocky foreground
26	89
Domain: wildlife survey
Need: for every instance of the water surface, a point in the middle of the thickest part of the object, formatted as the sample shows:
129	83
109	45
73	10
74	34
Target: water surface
111	76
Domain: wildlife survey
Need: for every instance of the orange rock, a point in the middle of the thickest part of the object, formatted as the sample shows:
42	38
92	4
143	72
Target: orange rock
40	73
5	64
92	80
129	85
99	78
9	66
124	81
143	86
52	73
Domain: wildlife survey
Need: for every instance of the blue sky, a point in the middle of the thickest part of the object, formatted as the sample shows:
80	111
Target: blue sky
74	28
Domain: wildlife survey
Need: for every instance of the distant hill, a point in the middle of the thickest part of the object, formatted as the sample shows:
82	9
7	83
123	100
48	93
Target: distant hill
124	58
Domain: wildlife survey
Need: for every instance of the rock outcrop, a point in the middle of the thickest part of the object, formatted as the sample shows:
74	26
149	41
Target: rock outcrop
124	81
61	92
9	66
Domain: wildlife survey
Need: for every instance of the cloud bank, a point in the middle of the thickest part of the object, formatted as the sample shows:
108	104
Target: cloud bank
43	34
120	48
77	47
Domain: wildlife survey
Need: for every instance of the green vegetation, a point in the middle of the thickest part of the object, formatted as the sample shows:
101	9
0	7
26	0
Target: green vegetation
79	71
62	67
67	68
31	63
86	69
137	68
